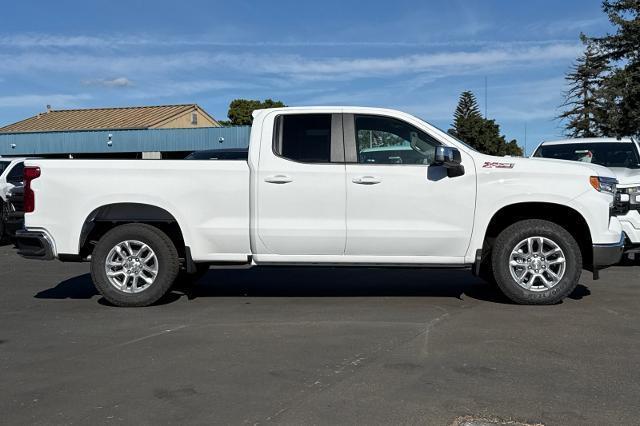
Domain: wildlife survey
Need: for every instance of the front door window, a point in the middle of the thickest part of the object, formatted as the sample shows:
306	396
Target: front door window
384	140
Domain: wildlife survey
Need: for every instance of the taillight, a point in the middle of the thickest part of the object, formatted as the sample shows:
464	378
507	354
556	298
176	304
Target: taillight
30	173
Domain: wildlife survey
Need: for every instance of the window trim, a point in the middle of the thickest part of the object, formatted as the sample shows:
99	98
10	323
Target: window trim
351	146
336	143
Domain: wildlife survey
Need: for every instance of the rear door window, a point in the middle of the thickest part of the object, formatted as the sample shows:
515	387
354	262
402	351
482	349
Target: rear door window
309	138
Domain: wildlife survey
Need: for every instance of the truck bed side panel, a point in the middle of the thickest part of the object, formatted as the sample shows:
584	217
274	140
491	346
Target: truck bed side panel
208	199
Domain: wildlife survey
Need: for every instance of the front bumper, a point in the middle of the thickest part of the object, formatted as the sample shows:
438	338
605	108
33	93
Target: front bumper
34	245
607	254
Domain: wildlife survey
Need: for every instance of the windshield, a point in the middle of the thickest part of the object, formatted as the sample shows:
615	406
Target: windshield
3	166
608	154
460	141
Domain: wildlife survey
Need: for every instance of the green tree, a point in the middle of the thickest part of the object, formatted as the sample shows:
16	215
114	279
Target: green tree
621	89
585	113
240	110
481	133
467	109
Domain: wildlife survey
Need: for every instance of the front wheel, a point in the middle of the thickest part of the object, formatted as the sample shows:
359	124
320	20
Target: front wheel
536	262
134	265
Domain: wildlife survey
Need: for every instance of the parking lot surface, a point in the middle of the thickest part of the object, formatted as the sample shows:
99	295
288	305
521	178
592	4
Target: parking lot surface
315	346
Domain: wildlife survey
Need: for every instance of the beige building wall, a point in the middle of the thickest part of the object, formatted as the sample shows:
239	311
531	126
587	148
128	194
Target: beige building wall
185	121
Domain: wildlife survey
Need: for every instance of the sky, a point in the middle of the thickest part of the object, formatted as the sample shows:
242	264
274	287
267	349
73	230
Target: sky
416	56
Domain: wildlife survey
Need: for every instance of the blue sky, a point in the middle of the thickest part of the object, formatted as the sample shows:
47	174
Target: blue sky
412	55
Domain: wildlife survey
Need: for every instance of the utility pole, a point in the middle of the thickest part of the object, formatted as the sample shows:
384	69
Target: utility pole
525	139
486	94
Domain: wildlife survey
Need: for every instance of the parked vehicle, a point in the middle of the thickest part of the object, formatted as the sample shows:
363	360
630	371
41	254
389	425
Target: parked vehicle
13	215
309	193
11	170
622	157
219	154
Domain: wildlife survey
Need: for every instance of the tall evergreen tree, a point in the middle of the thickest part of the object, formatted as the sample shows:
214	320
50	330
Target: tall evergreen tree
584	112
482	134
467	109
621	94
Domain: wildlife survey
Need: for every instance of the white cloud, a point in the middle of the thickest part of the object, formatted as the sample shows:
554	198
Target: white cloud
57	101
113	82
408	64
297	66
36	40
172	88
565	26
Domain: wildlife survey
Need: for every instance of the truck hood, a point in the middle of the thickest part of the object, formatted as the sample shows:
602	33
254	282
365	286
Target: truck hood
626	177
548	164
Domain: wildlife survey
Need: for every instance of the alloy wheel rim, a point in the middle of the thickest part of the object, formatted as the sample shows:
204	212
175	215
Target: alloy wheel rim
131	266
537	263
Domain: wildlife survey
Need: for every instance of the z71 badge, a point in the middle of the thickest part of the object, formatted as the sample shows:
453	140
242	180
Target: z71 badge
494	165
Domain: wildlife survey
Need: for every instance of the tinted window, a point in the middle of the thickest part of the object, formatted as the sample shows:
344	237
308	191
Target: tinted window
608	154
305	138
3	166
15	174
219	154
384	140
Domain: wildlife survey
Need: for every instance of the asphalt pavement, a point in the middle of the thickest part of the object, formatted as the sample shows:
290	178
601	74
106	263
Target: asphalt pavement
316	346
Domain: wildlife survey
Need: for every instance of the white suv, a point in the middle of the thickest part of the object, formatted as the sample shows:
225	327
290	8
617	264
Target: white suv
622	157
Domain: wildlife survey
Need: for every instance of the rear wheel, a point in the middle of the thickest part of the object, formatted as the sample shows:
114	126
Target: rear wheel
134	265
536	262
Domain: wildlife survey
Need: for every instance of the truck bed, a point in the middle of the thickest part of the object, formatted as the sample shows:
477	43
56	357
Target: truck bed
212	197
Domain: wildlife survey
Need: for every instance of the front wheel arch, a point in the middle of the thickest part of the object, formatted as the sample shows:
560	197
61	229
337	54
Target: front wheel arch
564	216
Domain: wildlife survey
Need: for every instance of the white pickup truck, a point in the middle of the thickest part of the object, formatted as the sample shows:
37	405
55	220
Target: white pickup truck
622	157
326	186
11	171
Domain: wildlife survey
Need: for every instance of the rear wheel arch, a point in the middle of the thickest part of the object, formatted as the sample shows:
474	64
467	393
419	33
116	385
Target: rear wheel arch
106	217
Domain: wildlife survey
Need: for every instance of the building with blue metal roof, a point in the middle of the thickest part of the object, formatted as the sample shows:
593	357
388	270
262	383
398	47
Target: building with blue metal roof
133	132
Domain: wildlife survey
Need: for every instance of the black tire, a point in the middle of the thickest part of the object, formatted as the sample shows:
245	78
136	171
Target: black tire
519	231
186	279
158	241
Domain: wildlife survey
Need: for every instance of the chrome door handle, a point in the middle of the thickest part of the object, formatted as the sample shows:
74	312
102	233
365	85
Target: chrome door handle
366	180
278	179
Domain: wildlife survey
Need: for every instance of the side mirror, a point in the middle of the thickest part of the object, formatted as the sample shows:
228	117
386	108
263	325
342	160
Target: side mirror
450	158
447	156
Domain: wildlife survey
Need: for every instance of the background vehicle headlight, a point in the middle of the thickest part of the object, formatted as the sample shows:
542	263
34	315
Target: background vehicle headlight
630	190
604	184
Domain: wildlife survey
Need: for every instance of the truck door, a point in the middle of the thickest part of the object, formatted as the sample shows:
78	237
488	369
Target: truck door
397	203
301	186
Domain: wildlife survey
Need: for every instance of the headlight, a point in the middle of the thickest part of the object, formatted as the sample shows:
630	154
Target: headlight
629	190
604	184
